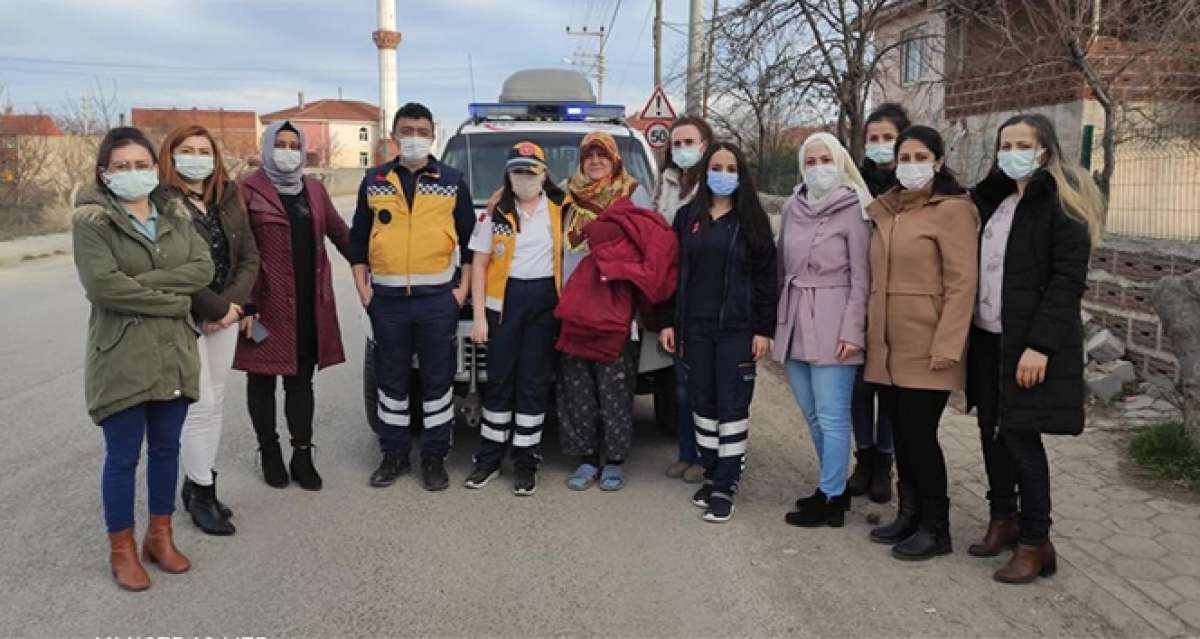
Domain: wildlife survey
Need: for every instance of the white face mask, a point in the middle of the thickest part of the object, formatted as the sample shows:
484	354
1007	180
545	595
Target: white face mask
914	176
288	160
821	178
881	152
193	167
414	149
526	186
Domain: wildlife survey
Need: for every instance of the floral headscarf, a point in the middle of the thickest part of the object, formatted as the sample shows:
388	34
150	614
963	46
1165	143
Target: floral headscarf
590	197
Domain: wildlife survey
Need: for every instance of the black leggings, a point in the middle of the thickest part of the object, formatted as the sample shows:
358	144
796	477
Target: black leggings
914	415
297	405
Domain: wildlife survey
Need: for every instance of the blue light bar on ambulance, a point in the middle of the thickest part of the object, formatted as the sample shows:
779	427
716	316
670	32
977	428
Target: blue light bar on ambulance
552	111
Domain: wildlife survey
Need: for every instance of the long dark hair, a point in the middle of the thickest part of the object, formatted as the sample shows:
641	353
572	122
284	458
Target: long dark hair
756	228
945	182
508	199
688	177
117	138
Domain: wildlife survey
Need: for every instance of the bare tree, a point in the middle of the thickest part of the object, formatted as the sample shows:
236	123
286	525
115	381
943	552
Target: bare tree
83	120
1136	58
838	40
755	96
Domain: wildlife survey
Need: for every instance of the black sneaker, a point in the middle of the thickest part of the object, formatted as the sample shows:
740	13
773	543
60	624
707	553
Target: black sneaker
433	474
719	510
700	498
392	466
526	482
481	476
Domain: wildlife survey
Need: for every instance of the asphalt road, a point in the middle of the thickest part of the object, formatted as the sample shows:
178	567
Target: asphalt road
353	560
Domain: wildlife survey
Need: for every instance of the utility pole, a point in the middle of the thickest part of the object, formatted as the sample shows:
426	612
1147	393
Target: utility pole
658	10
596	61
708	56
695	18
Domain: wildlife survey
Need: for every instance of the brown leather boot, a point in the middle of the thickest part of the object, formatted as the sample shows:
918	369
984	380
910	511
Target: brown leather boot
159	547
1028	563
126	568
1001	534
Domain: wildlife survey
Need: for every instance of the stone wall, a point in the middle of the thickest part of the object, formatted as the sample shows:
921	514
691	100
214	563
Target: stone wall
1122	276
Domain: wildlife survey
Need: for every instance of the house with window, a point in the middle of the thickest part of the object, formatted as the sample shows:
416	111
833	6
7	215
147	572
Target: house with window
966	72
341	134
24	134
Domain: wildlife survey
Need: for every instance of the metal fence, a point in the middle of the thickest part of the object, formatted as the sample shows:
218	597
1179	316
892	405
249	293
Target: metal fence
1155	188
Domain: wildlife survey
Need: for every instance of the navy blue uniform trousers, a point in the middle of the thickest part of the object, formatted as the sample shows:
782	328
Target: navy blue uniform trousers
720	374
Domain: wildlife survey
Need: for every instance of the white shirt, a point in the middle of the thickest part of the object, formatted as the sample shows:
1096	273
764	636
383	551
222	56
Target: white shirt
534	253
991	264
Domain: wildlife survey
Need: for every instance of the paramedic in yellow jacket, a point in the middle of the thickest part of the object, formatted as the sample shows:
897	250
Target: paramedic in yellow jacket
411	226
517	271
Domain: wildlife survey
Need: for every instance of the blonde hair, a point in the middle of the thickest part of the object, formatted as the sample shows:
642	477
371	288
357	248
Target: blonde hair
841	158
1077	191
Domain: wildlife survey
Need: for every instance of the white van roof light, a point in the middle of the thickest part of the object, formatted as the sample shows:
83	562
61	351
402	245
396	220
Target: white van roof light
547	85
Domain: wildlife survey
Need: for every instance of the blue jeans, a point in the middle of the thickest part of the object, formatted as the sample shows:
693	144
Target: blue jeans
823	393
160	424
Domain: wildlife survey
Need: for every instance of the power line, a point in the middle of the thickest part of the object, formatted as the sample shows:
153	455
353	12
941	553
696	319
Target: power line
611	22
645	22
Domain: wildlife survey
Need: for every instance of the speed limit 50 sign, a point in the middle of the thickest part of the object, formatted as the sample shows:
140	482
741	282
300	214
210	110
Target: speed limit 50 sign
657	134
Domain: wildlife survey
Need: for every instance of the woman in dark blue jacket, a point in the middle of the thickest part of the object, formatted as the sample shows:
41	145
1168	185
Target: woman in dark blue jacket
723	316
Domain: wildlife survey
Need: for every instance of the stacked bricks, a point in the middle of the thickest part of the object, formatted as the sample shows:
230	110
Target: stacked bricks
1120	283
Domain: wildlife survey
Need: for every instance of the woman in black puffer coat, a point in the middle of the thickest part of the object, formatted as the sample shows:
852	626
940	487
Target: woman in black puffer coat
1025	363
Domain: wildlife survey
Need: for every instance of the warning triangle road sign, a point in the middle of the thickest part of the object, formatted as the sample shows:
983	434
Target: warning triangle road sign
658	107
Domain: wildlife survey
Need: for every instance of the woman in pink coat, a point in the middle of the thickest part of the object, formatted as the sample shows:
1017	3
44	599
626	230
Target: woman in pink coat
824	240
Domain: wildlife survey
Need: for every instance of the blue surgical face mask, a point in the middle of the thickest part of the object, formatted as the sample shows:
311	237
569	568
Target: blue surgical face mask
193	167
881	152
722	183
686	157
131	186
1018	164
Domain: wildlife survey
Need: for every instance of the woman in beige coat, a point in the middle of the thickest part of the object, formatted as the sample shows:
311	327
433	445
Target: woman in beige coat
923	277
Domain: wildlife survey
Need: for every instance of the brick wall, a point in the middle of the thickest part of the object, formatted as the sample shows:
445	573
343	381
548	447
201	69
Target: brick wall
1123	273
236	132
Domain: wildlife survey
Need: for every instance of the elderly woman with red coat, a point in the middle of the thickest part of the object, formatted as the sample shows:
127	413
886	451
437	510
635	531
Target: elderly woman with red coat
291	216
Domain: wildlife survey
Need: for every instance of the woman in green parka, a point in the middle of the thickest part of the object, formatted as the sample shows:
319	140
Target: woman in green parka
139	260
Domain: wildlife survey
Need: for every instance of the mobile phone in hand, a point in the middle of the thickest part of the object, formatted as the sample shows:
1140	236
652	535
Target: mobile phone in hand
258	333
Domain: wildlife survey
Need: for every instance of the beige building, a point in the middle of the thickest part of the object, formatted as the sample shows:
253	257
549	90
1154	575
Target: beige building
341	134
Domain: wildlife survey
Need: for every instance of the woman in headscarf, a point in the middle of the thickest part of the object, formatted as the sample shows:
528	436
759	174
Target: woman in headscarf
290	325
824	242
588	389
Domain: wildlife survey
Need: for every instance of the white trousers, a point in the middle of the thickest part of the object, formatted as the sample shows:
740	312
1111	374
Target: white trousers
202	428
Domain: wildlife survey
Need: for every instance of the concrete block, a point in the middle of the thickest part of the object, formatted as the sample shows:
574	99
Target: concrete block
1122	369
1105	386
1104	347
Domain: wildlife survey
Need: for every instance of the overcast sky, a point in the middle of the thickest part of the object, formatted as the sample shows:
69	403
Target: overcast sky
257	54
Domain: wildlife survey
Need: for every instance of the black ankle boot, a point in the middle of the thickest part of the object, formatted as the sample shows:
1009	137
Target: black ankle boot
864	466
812	501
202	506
933	535
274	472
189	487
879	490
905	523
303	471
830	512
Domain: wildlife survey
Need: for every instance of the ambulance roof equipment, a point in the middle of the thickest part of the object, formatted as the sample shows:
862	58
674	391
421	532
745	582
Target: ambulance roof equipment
551	95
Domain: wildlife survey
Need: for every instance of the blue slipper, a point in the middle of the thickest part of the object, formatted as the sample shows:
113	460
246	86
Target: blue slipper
583	477
612	478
